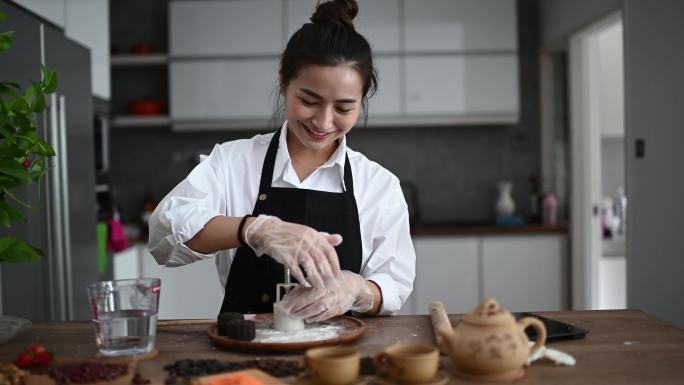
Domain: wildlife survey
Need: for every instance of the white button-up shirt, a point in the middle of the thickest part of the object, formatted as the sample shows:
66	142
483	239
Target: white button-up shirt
227	183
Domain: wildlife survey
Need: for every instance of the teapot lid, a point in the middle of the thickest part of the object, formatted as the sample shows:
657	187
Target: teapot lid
489	313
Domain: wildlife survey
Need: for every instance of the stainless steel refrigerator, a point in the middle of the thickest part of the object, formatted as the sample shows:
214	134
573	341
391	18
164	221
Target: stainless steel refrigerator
63	224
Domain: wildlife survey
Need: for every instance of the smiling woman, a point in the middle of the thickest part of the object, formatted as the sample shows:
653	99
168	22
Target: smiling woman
334	219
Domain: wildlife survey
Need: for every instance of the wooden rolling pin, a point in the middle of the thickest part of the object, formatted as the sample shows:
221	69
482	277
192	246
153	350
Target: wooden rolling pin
439	318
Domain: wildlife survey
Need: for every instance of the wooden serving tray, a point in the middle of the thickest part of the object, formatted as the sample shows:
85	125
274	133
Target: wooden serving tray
346	330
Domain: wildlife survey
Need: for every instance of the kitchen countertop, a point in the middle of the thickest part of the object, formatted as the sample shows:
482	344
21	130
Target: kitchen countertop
457	229
622	347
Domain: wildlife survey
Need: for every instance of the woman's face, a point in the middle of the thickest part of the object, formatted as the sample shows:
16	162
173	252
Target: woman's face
322	104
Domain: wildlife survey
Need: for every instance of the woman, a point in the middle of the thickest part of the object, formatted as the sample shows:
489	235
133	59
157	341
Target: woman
335	219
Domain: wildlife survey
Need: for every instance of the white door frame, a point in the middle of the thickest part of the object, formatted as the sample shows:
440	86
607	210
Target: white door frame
585	132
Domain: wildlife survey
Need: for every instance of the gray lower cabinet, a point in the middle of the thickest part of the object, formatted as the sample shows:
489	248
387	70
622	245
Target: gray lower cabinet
447	270
522	272
525	273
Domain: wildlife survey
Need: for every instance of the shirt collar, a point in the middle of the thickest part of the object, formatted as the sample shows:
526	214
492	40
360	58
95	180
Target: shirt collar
282	169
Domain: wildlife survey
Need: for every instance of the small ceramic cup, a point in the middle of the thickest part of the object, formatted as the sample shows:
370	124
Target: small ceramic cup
409	363
333	365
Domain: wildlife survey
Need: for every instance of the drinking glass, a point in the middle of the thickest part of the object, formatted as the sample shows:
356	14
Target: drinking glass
125	315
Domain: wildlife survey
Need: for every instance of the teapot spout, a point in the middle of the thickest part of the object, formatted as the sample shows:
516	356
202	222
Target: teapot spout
449	339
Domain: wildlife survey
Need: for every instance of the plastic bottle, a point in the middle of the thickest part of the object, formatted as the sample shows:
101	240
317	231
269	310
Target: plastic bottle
620	211
549	209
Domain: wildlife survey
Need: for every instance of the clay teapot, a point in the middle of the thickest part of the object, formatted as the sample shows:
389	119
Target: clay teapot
488	344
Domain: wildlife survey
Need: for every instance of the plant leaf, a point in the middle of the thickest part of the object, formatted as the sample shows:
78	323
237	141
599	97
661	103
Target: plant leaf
19	104
9	194
7	152
7	182
15	250
22	121
14	214
15	169
45	148
6	40
4	218
6	89
39	106
51	82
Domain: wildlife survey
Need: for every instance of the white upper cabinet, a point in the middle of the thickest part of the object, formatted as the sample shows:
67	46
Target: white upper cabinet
223	89
460	25
225	28
87	22
377	21
387	99
462	84
439	61
50	10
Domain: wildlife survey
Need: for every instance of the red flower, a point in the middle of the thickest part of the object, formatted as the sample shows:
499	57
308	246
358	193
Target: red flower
25	163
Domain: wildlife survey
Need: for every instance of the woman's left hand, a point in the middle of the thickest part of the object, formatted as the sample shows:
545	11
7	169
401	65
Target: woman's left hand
349	291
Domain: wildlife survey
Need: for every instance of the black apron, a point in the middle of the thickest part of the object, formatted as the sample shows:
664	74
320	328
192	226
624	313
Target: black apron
251	284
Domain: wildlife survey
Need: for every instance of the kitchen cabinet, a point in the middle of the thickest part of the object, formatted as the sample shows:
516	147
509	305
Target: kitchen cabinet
378	21
447	268
439	62
51	10
462	85
387	100
225	28
460	25
87	22
524	272
192	291
223	89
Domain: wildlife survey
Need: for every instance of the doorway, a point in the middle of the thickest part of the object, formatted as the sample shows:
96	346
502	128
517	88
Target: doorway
598	201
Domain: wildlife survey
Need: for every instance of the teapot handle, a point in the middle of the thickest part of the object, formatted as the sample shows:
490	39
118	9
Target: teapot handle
440	320
539	327
383	363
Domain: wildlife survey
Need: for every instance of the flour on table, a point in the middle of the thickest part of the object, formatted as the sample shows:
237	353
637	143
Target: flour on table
312	332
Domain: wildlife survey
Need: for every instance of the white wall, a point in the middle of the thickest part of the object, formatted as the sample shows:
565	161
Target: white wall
654	82
561	18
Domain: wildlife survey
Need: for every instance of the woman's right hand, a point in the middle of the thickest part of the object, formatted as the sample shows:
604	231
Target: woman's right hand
296	245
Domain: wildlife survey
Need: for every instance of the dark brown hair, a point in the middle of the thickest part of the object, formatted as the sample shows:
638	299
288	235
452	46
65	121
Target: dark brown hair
330	40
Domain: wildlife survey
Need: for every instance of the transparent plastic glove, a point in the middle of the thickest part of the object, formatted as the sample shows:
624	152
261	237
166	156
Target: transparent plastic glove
349	291
296	245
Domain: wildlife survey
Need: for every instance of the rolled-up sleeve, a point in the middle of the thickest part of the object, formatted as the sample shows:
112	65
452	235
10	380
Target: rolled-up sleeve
186	210
392	265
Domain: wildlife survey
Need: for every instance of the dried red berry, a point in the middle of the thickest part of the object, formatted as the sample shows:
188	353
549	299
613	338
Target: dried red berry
35	348
24	360
42	358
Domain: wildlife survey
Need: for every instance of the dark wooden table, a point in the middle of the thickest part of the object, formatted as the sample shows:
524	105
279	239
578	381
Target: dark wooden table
622	347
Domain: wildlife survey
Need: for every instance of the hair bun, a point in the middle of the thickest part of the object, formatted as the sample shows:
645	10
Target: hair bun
336	12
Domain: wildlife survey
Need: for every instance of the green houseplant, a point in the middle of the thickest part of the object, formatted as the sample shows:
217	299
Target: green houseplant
22	153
